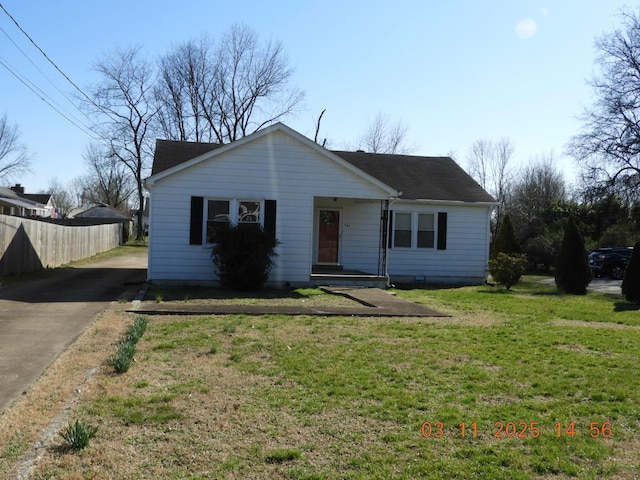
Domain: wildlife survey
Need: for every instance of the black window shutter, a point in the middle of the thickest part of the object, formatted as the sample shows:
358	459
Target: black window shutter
390	229
195	229
270	217
442	230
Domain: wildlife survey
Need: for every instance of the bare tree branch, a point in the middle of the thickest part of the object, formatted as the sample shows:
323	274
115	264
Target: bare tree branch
124	105
608	146
14	158
385	136
222	92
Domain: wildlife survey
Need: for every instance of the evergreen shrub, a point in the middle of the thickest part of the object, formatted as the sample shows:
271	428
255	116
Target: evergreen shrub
631	281
243	256
572	266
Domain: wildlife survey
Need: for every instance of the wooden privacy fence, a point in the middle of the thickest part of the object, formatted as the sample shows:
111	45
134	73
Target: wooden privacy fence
30	245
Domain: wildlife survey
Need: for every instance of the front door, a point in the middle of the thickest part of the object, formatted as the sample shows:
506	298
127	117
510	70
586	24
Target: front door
328	236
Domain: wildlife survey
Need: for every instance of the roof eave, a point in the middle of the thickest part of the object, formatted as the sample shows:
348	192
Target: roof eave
452	202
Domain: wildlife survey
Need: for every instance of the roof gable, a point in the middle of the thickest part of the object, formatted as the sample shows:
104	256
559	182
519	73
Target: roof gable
171	157
418	178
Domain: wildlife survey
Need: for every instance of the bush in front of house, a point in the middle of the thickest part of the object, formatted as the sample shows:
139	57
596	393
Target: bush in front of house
507	269
631	281
243	256
572	266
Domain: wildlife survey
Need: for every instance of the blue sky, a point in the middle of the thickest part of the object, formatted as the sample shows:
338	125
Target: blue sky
452	71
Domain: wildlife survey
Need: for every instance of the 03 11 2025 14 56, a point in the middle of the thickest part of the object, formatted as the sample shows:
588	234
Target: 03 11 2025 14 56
516	429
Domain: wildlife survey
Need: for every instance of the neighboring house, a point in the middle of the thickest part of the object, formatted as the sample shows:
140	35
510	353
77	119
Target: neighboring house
393	217
11	203
45	201
101	214
102	211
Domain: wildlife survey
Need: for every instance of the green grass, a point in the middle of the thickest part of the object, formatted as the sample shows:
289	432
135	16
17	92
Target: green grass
530	300
338	397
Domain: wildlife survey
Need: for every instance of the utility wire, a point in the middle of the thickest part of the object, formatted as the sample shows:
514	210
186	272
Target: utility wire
40	94
47	57
24	79
44	75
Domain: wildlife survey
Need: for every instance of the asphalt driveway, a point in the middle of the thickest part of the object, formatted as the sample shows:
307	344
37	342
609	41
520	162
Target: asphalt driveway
40	318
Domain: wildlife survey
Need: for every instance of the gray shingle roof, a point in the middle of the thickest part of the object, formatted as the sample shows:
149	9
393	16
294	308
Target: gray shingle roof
170	153
425	178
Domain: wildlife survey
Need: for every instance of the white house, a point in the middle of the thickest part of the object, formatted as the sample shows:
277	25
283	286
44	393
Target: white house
350	215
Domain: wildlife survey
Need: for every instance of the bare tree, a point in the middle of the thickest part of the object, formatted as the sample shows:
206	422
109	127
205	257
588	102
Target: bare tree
479	159
608	147
489	163
385	136
124	105
61	196
108	180
540	188
14	158
185	75
222	92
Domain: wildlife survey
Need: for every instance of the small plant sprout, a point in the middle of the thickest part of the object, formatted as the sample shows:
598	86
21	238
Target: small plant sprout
77	435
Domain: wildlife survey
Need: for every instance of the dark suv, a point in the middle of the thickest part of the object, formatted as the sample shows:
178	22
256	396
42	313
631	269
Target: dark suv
610	261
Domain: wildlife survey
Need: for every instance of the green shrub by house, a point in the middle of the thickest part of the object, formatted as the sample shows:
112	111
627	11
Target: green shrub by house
507	269
631	281
572	266
243	256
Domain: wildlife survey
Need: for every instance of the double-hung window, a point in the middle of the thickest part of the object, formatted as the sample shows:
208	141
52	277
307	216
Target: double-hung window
402	233
414	230
426	230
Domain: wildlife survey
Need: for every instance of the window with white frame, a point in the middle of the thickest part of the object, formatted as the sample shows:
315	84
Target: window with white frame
402	230
414	230
426	230
235	212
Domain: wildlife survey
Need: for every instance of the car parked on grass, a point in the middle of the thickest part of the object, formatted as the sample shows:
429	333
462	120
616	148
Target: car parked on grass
610	261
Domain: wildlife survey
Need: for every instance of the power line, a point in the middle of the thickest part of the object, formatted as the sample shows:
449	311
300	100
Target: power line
40	94
47	57
44	75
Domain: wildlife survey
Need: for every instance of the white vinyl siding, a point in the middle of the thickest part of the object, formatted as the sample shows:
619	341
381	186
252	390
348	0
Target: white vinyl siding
464	259
302	180
276	167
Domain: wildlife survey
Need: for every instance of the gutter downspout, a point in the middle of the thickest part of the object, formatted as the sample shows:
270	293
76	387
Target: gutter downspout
385	247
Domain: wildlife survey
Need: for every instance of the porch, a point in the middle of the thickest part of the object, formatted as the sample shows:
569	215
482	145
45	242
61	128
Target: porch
324	275
349	242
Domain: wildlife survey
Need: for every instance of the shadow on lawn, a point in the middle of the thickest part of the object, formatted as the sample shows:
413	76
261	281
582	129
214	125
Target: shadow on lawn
625	307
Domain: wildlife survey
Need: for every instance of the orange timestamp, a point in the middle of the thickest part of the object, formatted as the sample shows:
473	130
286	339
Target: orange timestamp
520	430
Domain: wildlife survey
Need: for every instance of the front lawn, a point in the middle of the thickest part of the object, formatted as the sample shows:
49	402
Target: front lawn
546	385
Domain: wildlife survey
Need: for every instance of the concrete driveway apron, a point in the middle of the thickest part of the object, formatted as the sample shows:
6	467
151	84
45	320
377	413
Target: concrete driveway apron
40	318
